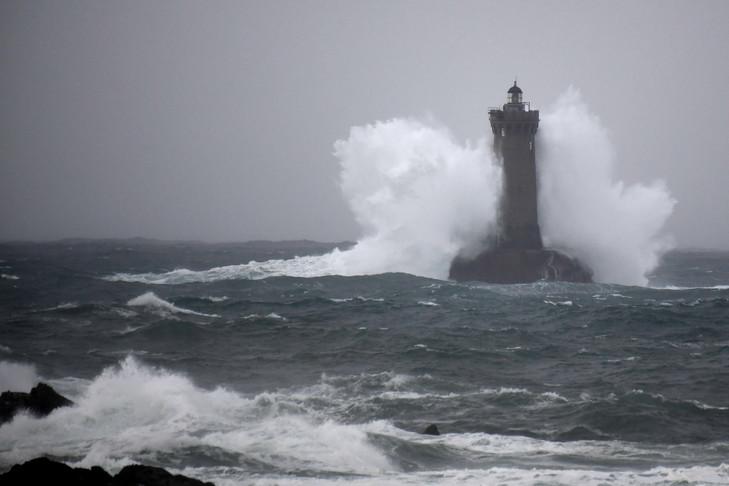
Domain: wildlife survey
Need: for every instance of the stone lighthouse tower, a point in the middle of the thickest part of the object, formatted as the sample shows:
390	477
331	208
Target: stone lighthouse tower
514	128
516	254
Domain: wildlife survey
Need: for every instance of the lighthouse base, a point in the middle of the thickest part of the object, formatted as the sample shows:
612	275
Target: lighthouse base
519	266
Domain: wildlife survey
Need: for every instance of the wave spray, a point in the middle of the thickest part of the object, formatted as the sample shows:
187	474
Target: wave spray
421	198
613	227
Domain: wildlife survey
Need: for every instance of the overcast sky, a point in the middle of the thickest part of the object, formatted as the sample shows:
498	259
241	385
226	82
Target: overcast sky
215	120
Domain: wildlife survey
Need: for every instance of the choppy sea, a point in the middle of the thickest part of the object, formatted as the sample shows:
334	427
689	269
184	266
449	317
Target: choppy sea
189	357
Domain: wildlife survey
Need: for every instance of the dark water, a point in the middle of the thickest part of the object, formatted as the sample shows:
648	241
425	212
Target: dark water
222	374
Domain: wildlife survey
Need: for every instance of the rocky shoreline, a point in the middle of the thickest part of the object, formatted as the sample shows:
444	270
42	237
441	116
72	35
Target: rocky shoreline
48	472
41	401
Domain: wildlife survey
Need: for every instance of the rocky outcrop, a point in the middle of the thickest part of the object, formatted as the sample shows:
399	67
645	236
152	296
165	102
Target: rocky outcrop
41	401
431	429
44	471
514	265
48	472
152	476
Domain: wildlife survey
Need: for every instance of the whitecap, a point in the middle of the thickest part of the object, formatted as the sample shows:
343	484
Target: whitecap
675	287
126	313
270	315
128	330
556	303
130	411
151	301
216	299
370	299
62	306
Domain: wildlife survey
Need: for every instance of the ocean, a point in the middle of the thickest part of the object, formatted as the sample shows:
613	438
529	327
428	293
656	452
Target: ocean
238	364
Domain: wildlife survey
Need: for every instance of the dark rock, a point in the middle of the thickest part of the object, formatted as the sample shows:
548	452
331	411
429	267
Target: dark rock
431	429
44	471
513	265
44	399
137	474
41	401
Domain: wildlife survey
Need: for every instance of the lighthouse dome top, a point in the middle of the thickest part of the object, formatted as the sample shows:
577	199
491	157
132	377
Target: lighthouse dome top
514	95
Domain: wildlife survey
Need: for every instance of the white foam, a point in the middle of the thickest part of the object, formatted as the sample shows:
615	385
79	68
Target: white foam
506	476
270	315
151	301
126	313
131	411
62	306
706	406
675	287
428	303
579	193
17	376
129	330
8	276
304	266
213	298
370	299
567	303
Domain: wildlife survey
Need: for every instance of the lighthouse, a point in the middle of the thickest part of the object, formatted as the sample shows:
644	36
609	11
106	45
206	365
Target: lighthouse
516	254
515	128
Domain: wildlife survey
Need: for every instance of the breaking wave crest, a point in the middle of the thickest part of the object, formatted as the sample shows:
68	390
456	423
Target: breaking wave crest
151	301
132	412
421	198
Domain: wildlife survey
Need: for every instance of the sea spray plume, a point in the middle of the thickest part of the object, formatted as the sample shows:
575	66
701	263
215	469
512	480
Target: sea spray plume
419	196
613	227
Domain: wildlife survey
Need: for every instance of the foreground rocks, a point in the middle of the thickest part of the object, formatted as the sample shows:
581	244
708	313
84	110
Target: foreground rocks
41	401
44	471
507	265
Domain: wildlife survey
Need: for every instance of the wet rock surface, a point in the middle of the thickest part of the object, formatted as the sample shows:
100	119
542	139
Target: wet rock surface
44	471
41	401
520	266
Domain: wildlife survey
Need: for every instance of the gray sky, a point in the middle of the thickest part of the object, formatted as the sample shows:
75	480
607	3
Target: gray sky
215	120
